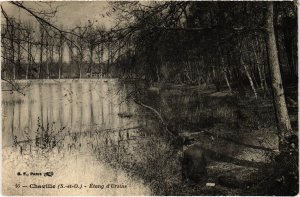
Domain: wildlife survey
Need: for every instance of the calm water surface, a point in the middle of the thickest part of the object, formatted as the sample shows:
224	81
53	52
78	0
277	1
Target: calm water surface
78	105
93	115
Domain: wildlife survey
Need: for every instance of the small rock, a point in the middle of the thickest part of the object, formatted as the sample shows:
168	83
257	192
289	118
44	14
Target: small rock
210	184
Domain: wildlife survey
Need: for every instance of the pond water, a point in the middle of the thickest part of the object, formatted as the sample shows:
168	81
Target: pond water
90	127
77	105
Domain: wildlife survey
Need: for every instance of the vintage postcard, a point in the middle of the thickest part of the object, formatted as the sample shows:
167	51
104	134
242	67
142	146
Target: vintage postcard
149	98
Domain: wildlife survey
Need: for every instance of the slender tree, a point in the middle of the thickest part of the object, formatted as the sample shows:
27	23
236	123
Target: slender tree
283	120
42	31
29	50
60	54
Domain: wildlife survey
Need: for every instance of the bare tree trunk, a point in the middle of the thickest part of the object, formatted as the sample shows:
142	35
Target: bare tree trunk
199	77
80	63
71	57
227	81
47	60
41	52
265	64
225	69
91	61
51	57
18	48
157	73
261	80
119	50
158	115
28	54
71	54
80	71
108	58
61	51
250	78
261	67
252	73
101	59
59	74
13	50
283	120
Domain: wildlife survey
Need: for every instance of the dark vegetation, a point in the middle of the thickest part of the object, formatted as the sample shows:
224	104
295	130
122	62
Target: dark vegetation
44	140
240	143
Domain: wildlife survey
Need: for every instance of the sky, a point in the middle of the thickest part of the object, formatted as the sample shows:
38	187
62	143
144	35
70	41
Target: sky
69	14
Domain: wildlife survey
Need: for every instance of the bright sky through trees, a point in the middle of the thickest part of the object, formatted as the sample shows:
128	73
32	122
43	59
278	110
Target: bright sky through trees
69	14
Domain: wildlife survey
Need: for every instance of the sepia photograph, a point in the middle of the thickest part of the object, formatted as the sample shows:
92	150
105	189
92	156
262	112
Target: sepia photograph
149	98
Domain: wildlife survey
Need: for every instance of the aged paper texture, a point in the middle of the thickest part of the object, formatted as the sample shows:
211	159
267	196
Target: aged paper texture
149	98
